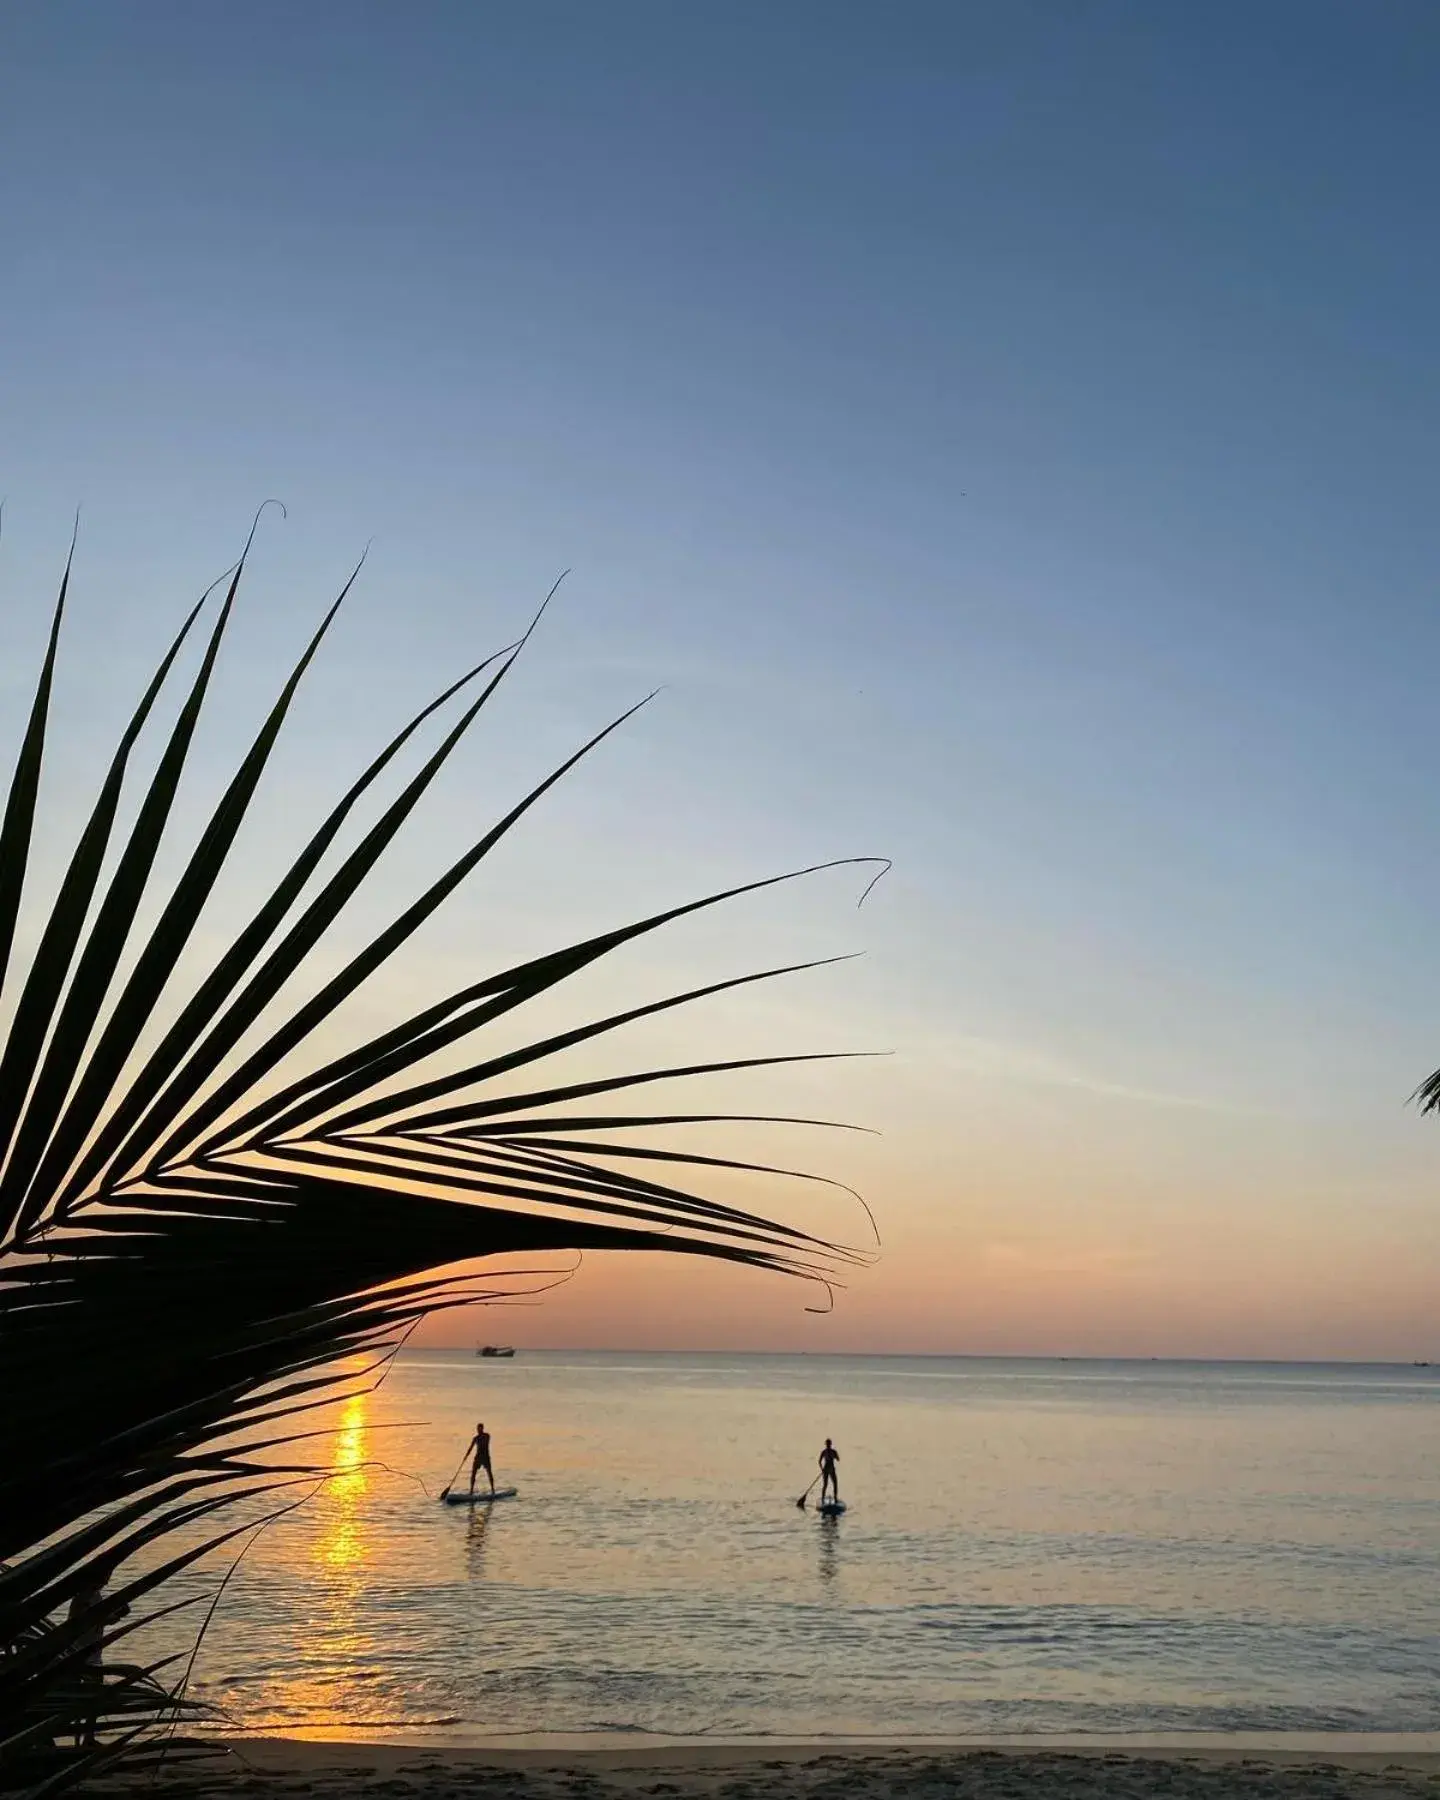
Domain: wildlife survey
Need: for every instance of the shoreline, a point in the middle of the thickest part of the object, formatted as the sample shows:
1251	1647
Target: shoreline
620	1750
1181	1766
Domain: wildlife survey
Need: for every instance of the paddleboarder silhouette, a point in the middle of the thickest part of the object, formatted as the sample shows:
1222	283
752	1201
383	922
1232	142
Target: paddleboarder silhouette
829	1477
480	1443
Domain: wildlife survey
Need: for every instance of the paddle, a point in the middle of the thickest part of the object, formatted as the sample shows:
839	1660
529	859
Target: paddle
806	1495
445	1491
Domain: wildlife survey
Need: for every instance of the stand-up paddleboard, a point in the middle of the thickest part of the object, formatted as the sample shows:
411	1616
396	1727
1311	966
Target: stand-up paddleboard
481	1497
830	1509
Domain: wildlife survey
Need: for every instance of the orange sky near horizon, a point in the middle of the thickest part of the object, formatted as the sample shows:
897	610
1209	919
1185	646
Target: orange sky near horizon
999	1298
1033	1221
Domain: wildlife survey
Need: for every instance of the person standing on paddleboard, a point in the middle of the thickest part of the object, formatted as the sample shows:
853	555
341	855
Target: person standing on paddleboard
829	1478
481	1445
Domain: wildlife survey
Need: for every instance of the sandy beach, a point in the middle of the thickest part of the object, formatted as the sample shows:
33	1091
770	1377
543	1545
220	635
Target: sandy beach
278	1768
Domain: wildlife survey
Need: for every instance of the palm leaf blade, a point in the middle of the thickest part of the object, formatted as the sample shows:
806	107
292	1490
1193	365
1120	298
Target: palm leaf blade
24	791
117	1140
55	953
103	949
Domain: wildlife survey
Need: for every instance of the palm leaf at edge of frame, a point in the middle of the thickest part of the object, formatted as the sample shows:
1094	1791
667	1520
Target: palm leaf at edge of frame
138	1228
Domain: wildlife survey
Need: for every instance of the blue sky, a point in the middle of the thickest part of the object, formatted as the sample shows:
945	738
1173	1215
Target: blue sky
1007	432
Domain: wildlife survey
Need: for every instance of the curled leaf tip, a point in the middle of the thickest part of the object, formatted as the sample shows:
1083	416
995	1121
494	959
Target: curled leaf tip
255	525
829	1305
879	876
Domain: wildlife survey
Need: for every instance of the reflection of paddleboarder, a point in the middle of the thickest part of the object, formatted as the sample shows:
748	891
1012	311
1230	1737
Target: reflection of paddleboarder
481	1445
829	1479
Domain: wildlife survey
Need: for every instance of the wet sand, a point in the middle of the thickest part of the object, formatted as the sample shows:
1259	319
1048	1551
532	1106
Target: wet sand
277	1769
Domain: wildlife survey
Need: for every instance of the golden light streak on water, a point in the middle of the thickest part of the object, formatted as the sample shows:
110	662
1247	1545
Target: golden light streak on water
343	1543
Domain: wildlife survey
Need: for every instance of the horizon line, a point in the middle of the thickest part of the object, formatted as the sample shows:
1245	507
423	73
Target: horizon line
1278	1362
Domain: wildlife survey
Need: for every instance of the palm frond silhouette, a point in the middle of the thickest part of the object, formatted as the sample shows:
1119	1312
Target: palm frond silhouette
193	1240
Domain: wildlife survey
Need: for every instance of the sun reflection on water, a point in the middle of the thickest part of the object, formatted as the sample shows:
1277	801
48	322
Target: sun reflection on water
311	1685
342	1542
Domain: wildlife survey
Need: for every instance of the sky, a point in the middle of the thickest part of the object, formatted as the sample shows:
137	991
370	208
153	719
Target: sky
1006	436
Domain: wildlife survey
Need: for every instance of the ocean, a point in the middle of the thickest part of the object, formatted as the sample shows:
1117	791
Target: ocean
1030	1547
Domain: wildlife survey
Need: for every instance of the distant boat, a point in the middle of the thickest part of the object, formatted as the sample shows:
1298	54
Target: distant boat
496	1350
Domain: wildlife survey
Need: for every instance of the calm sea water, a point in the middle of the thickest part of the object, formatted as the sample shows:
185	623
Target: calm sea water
1030	1546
